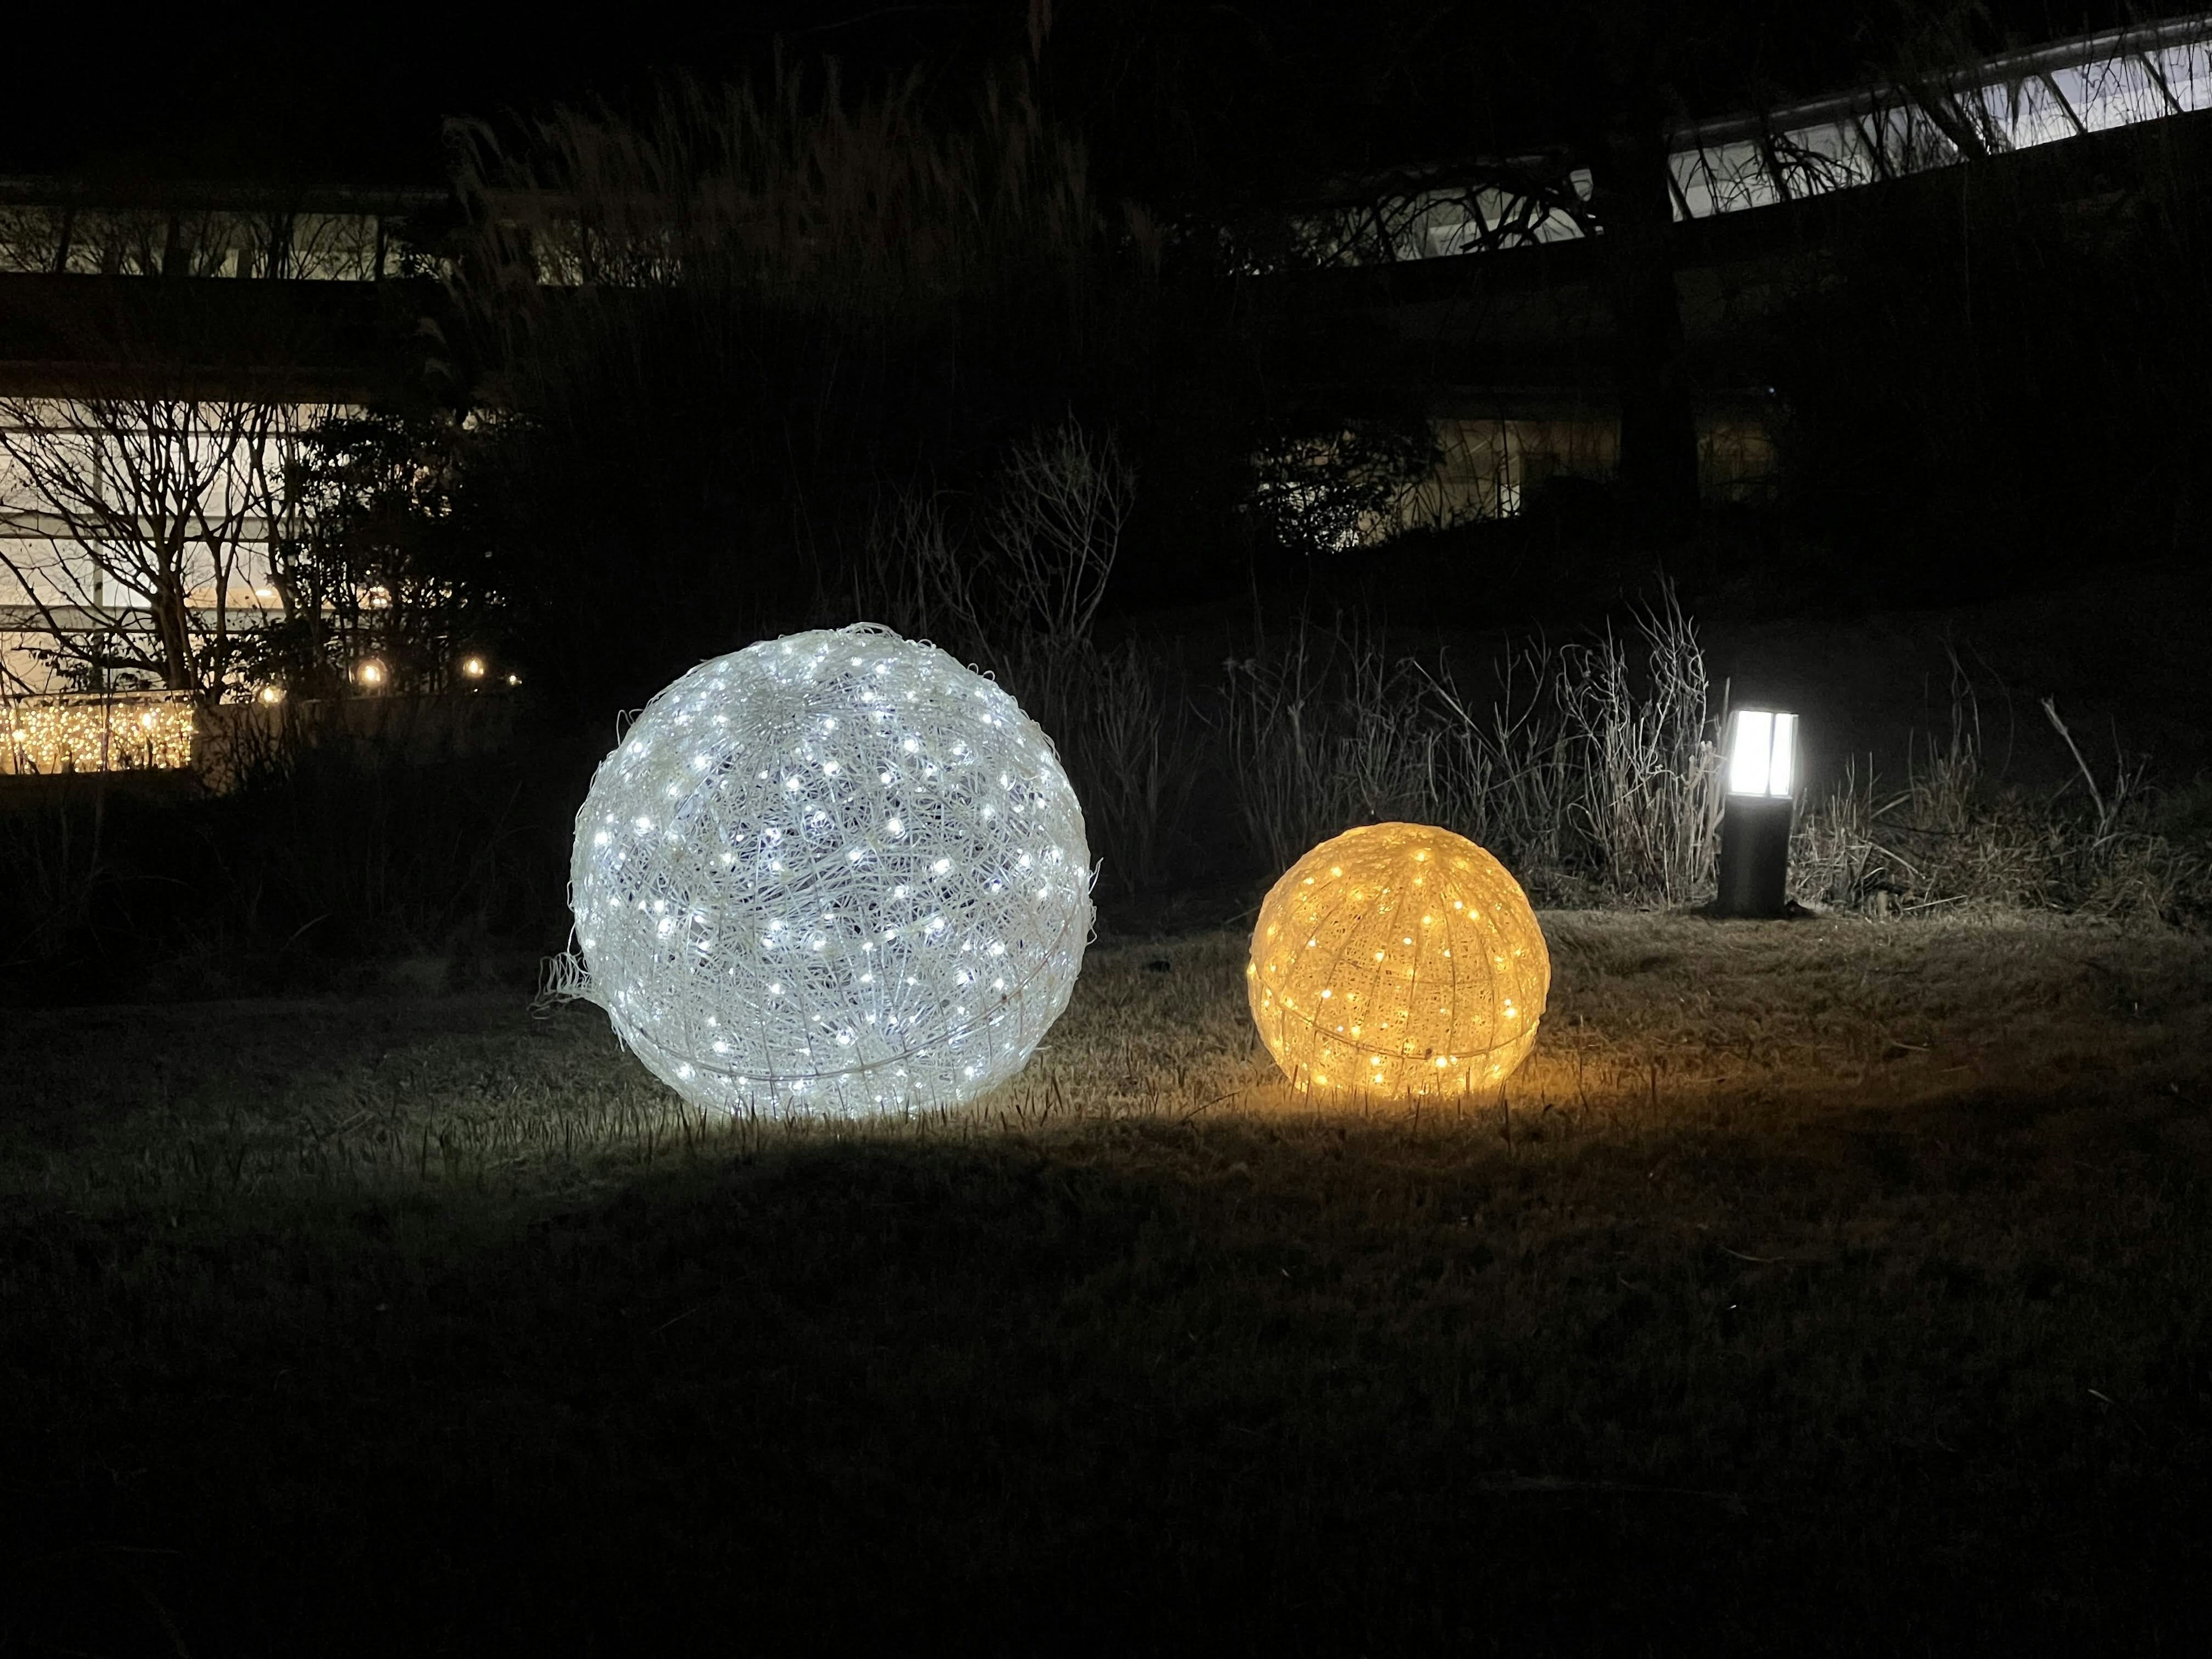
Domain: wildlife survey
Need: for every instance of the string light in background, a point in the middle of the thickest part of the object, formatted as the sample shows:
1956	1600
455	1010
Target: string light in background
836	872
1397	959
123	731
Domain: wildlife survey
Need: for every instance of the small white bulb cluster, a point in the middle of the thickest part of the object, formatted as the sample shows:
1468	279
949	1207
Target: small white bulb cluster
833	872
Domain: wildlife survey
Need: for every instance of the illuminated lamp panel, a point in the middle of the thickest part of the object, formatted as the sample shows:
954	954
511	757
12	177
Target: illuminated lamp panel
1398	959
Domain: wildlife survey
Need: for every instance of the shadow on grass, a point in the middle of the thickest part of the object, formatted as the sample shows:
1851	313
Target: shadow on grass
1318	1386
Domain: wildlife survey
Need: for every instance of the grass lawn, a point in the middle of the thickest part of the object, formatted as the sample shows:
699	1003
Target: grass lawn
1819	1286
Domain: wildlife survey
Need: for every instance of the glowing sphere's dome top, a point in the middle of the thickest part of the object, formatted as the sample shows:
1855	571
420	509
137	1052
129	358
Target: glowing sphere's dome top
1397	959
834	871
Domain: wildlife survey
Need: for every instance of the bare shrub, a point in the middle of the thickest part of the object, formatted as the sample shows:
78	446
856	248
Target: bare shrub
1022	566
1323	734
53	862
1510	769
2119	864
915	575
1651	774
1589	764
1054	528
869	209
1123	721
1949	836
1135	753
1834	859
1956	836
1013	580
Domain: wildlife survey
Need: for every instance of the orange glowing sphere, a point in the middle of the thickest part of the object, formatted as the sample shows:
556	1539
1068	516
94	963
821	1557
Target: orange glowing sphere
1397	959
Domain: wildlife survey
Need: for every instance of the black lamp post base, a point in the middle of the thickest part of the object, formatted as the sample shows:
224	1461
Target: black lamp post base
1755	858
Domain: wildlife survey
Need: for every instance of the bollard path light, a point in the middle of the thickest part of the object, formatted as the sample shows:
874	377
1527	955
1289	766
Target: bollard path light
1762	781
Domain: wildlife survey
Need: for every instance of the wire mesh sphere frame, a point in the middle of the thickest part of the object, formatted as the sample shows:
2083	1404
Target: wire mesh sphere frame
1396	960
836	872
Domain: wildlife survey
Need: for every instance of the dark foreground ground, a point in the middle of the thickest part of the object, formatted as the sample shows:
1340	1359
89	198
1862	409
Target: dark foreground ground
1822	1287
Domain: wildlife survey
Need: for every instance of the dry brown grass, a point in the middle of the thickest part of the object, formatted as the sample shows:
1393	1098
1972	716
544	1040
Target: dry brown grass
1657	1024
1823	1285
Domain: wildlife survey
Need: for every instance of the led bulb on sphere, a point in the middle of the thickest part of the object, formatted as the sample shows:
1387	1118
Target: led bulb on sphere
833	873
1397	959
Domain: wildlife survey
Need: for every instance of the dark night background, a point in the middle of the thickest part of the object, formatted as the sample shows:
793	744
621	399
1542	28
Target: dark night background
1986	395
1171	96
1835	1285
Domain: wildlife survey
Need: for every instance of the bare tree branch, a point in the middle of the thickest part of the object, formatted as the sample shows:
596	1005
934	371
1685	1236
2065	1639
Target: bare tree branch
152	507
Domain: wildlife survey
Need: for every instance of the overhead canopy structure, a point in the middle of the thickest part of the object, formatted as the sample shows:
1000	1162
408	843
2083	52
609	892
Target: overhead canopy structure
2016	101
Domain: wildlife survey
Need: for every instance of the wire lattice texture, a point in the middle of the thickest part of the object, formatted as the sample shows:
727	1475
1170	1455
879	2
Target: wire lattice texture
1397	959
833	872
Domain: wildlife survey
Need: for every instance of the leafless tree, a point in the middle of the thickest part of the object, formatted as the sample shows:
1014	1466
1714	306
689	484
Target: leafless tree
136	529
1021	575
1063	500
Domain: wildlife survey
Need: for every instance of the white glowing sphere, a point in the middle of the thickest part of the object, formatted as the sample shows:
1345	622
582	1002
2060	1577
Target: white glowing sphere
833	873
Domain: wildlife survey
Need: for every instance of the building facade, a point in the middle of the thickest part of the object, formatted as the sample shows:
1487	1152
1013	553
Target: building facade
162	350
1485	277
